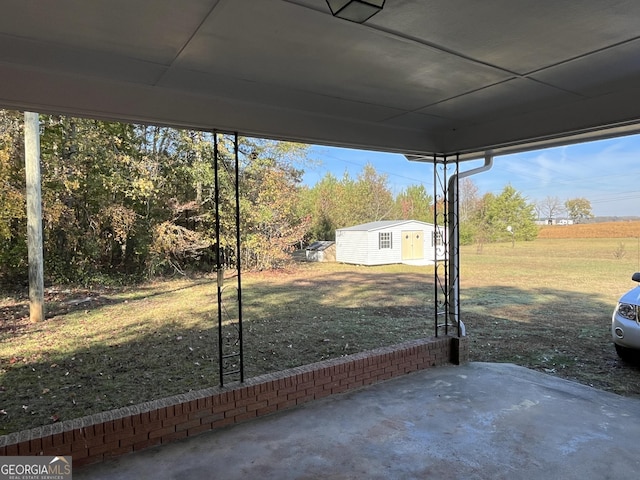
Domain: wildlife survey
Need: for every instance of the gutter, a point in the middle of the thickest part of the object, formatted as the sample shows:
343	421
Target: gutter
453	232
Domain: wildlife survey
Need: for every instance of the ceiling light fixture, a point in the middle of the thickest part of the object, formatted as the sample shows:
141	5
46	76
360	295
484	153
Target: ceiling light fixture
358	11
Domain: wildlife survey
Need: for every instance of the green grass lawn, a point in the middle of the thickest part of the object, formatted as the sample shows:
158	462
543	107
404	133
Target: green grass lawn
544	304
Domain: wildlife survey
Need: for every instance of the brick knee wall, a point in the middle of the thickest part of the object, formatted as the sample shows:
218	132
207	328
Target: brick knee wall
104	435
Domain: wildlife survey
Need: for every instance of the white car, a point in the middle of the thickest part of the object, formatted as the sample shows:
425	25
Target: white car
625	324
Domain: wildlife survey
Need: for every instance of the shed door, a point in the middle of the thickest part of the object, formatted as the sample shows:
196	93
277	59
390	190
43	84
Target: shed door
412	245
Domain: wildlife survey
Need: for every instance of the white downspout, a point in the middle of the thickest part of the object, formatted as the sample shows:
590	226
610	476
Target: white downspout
454	237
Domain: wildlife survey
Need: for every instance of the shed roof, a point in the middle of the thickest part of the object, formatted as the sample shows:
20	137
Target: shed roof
426	78
320	245
381	224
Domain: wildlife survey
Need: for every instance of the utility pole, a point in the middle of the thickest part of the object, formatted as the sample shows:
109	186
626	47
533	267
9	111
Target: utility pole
34	215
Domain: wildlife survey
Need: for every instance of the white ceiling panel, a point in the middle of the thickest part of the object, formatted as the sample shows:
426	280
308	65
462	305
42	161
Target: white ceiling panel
422	76
610	70
510	98
288	46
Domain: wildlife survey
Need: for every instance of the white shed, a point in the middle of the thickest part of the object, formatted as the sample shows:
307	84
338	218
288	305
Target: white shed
390	241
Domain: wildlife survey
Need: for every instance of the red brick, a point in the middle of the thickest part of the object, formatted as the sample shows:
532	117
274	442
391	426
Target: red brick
287	390
305	385
213	417
199	414
245	416
174	436
132	440
322	381
266	410
235	411
150	442
314	390
60	450
245	401
277	400
176	420
192	405
256	406
356	384
79	452
306	398
116	452
98	429
93	441
36	445
286	404
147	427
339	376
221	408
204	403
67	437
339	389
116	436
101	449
294	395
177	410
47	443
199	429
188	425
57	439
223	422
161	432
81	462
24	448
267	395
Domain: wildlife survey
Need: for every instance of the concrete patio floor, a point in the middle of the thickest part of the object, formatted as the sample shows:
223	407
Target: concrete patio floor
475	421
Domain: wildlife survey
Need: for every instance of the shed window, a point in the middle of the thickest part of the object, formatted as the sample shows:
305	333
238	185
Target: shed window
384	240
436	239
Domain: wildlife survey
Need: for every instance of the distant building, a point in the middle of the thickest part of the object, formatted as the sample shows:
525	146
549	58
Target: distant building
323	251
554	221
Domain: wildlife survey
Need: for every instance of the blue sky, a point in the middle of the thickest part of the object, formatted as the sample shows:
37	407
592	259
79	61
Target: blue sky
606	172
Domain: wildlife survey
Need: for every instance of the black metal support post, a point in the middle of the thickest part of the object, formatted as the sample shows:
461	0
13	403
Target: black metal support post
447	239
228	263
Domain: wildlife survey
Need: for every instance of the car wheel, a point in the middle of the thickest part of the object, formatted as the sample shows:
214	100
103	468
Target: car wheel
626	354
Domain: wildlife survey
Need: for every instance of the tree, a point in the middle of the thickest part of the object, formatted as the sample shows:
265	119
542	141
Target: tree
578	209
469	199
323	204
13	250
508	209
371	198
414	203
470	204
333	203
271	223
549	208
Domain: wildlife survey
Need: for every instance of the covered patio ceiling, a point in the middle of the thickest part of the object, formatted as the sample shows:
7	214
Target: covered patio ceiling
422	77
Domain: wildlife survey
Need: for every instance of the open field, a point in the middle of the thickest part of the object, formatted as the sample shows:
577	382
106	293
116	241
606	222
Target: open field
592	230
544	304
547	305
112	348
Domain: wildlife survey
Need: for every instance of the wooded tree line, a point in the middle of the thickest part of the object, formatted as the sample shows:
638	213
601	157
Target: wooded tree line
123	201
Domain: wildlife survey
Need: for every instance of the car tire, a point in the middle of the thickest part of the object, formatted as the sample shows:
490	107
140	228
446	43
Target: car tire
626	354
